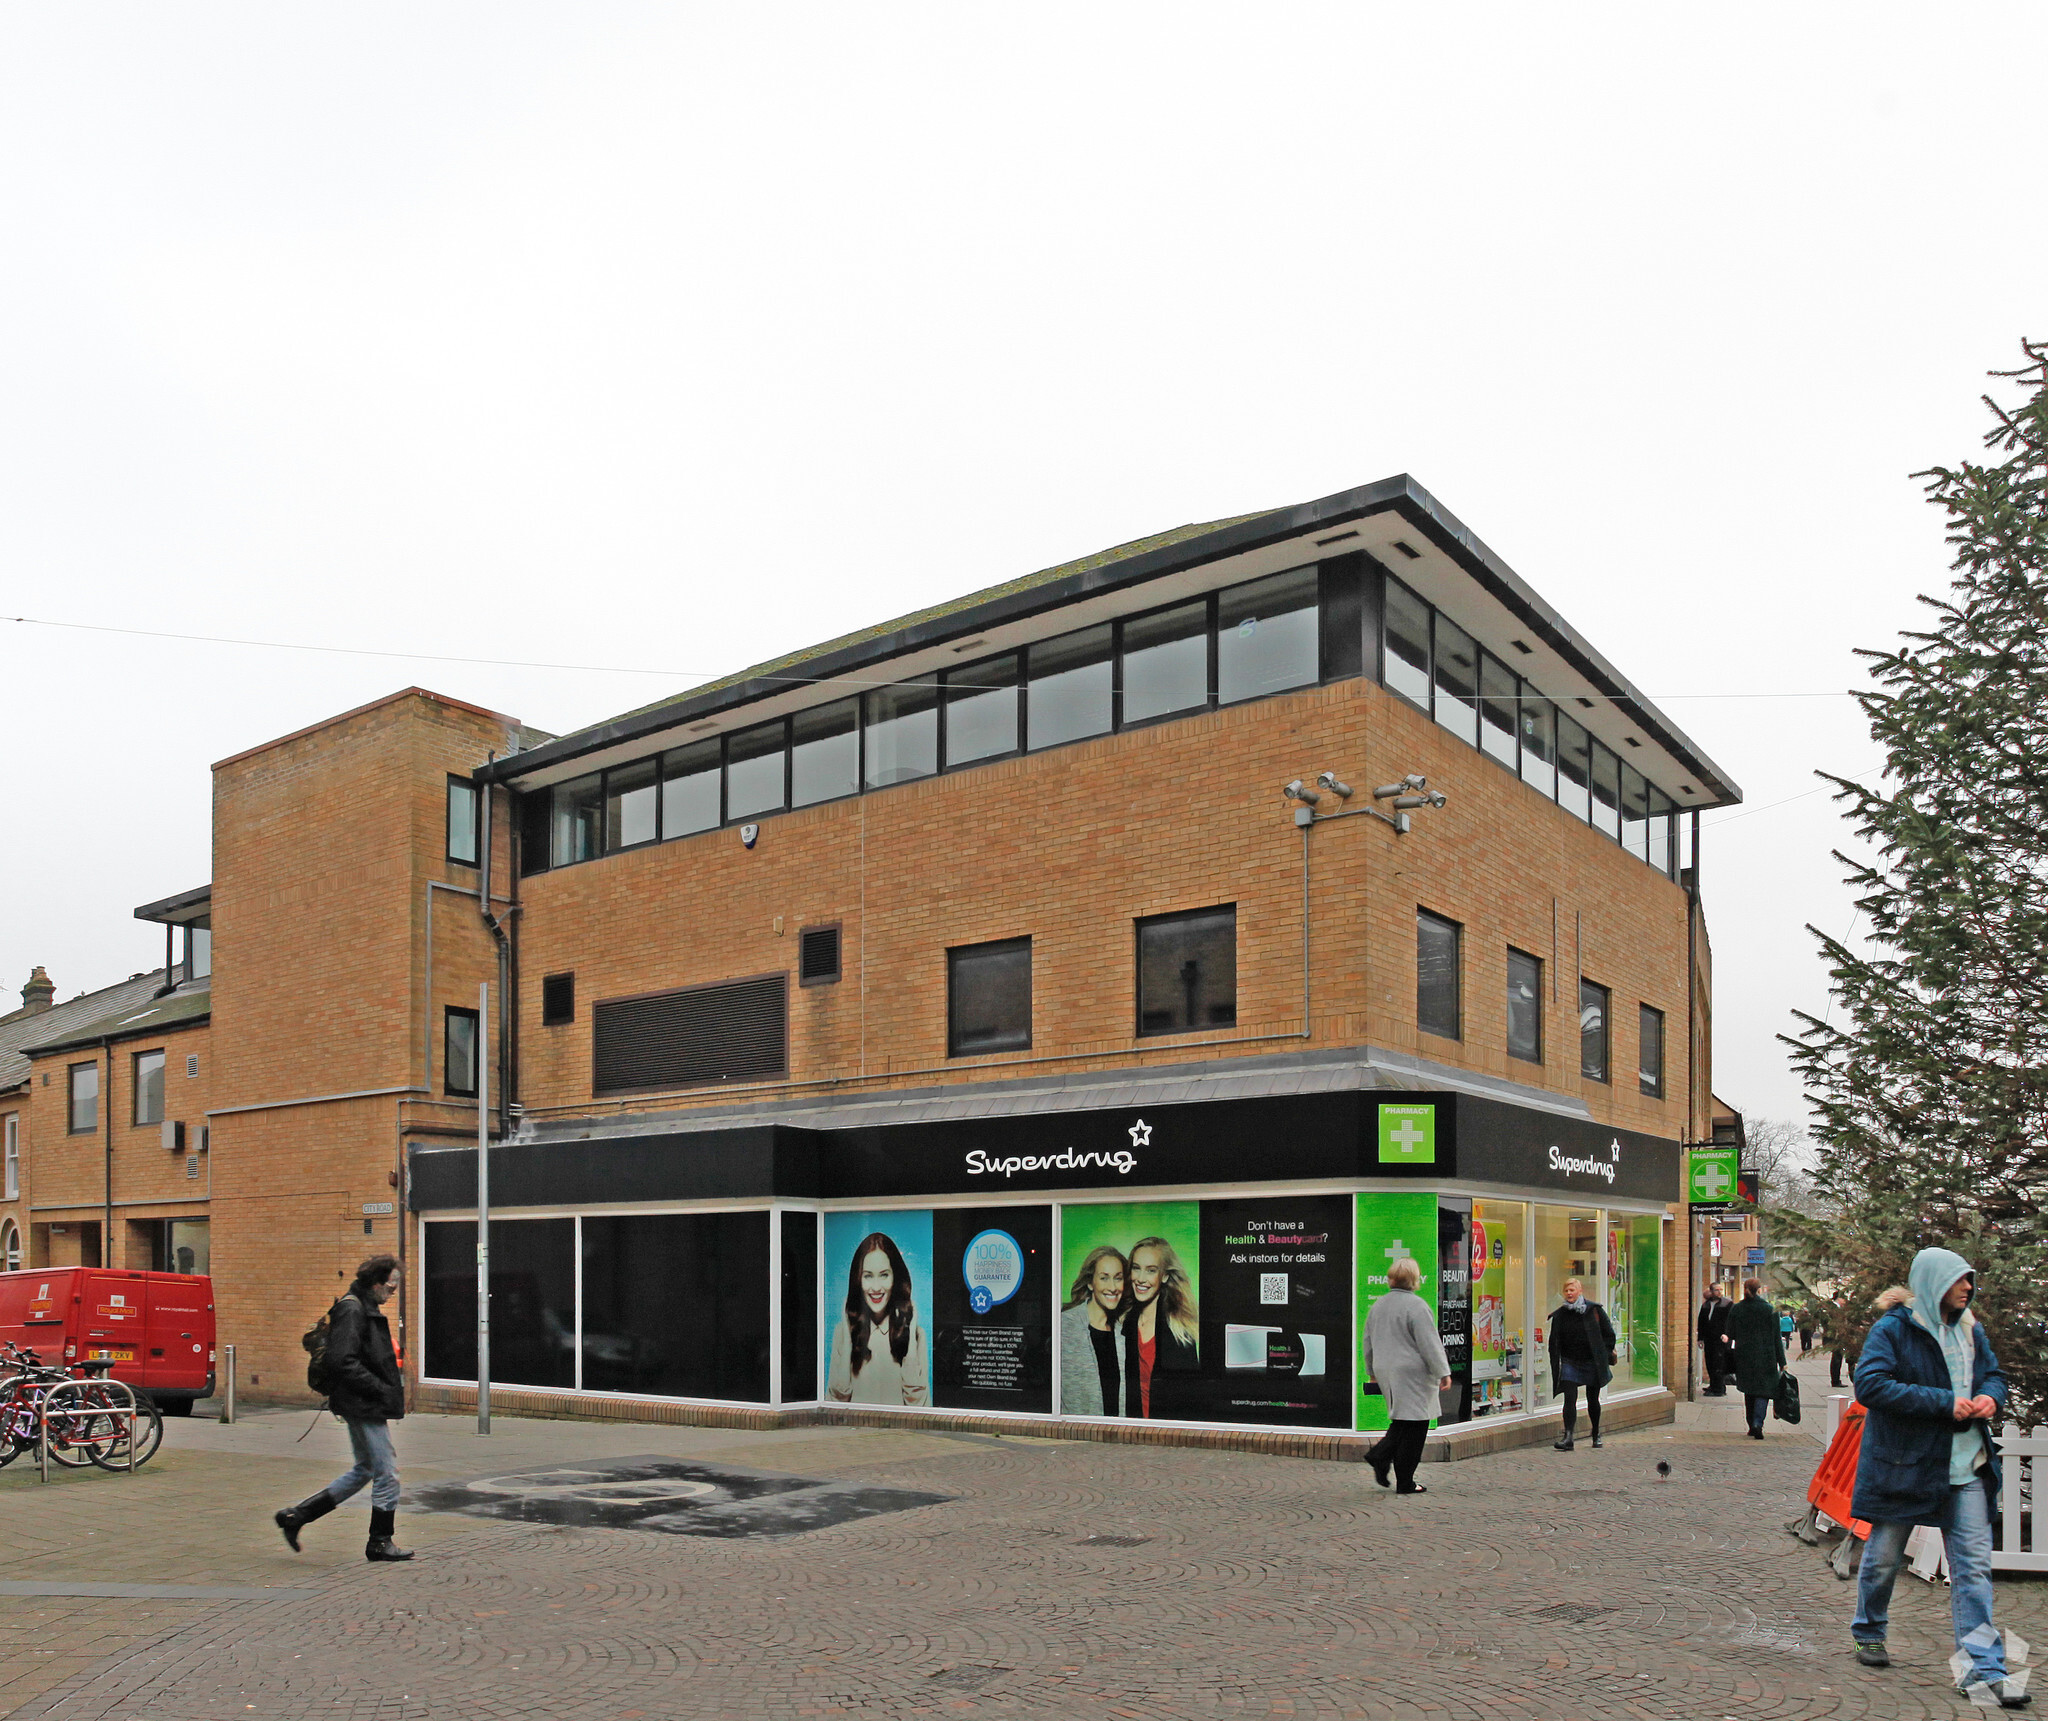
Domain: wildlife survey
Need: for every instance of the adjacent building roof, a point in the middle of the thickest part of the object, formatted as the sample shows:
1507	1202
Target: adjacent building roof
183	909
187	1007
24	1030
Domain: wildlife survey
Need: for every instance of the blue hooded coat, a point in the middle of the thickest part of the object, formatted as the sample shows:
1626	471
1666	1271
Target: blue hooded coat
1904	1386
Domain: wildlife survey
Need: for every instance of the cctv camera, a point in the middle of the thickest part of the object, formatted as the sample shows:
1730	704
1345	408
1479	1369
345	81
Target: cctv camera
1294	791
1328	780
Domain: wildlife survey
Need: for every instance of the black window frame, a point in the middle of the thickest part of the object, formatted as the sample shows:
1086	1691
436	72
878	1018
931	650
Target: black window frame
1138	929
728	816
1515	952
552	986
961	677
615	785
1645	1015
474	791
1118	722
838	971
1427	920
859	732
450	1015
163	1075
71	1124
994	947
1605	994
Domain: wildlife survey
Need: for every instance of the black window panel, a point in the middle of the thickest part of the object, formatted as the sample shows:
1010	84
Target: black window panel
459	1051
631	793
1574	768
1606	792
824	753
1525	1006
982	702
1268	635
536	813
464	839
1635	812
1438	991
1164	663
1457	680
533	1301
690	788
817	955
1343	618
1593	1019
756	771
578	830
675	1305
902	732
1538	726
799	1307
149	1087
988	998
557	1000
1660	831
1406	662
1187	971
735	1031
1650	1051
1069	695
1497	723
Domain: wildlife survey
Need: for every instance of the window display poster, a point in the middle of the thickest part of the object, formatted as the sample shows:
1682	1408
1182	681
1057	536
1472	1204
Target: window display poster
1496	1345
1646	1235
1276	1311
878	1299
1391	1226
991	1306
1135	1260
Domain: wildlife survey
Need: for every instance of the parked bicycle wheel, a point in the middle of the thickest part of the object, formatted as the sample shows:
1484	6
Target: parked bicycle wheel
81	1431
149	1435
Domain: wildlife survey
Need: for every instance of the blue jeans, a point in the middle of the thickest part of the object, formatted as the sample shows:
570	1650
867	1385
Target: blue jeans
1969	1570
375	1463
1753	1407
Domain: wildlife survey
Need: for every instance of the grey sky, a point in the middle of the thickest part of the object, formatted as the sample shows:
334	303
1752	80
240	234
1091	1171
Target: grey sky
642	337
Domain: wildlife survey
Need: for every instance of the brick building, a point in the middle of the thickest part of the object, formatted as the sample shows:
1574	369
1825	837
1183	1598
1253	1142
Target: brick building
1057	928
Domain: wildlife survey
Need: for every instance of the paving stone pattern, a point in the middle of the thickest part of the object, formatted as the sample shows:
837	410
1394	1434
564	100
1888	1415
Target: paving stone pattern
1058	1579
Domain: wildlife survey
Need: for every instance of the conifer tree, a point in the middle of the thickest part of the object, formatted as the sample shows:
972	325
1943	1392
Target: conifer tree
1929	1077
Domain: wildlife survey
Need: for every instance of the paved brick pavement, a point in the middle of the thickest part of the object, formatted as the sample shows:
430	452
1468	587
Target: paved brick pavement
1260	1587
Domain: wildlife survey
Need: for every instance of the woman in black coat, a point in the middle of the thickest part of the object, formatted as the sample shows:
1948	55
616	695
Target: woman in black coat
1582	1352
1758	1349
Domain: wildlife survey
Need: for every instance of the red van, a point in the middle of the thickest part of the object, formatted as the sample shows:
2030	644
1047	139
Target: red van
155	1328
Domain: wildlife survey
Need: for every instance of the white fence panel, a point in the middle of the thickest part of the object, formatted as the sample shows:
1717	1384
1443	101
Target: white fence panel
2021	1549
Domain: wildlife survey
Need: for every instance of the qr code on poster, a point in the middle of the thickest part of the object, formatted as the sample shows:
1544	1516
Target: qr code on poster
1272	1287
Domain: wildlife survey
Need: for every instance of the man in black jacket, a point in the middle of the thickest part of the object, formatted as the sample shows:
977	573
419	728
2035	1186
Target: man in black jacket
1712	1326
365	1391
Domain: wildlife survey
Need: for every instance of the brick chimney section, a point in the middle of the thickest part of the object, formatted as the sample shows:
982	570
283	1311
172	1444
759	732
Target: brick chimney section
39	994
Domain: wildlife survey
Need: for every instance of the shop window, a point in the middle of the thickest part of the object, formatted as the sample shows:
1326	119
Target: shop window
1165	663
631	802
186	1246
1606	784
1525	1006
1593	1014
1650	1051
465	837
1069	695
577	831
734	1031
1500	1307
149	1087
1266	636
981	711
1645	1258
1497	697
799	1308
10	1164
533	1301
1454	1304
756	761
675	1305
83	1084
1574	768
1438	1000
817	955
1187	971
988	998
1539	743
690	789
1568	1246
557	1000
902	732
459	1052
1457	681
824	753
1407	644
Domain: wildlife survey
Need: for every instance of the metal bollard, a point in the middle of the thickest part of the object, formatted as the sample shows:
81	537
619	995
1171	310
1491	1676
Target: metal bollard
227	1403
1837	1403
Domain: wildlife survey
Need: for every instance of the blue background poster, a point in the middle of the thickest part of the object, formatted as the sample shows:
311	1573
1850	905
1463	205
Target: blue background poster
992	1302
882	1381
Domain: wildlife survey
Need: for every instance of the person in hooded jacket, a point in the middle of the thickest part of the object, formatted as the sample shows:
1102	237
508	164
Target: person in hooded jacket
1759	1352
1929	1386
366	1392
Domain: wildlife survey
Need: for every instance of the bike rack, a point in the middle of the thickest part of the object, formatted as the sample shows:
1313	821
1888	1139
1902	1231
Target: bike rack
81	1413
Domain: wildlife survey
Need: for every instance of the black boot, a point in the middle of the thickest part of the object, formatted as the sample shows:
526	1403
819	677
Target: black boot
1596	1434
380	1545
1564	1445
293	1519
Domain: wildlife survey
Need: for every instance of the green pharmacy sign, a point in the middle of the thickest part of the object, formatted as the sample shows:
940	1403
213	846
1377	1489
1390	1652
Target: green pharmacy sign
1407	1135
1711	1173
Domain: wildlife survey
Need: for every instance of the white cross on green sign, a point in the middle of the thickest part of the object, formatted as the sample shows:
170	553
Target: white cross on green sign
1711	1174
1408	1135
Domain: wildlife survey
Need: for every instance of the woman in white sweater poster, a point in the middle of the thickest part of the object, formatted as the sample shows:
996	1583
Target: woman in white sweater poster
879	1354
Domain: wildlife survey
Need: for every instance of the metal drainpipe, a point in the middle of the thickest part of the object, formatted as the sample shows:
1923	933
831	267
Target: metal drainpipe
497	927
107	1119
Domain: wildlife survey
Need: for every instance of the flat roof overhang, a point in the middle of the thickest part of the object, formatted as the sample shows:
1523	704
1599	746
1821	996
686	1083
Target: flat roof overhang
180	910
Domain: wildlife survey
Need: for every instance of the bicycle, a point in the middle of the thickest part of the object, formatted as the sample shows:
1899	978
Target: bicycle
81	1415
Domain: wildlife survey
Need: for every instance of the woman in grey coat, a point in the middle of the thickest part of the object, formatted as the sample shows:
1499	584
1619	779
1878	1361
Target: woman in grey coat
1091	1347
1404	1355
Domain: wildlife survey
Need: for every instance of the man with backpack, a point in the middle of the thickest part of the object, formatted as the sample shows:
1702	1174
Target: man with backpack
356	1369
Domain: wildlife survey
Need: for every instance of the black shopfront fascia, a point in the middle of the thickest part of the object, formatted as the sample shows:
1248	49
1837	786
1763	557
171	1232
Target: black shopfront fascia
1311	1138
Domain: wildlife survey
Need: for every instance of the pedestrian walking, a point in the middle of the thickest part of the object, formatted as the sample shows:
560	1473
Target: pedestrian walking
1582	1353
1758	1349
1806	1330
1838	1341
363	1389
1930	1385
1720	1355
1403	1354
1711	1302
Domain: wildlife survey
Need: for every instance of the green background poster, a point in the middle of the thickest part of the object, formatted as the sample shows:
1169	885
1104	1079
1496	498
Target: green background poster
1390	1226
1120	1224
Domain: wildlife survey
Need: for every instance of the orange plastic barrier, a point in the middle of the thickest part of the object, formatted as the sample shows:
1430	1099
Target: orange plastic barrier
1835	1481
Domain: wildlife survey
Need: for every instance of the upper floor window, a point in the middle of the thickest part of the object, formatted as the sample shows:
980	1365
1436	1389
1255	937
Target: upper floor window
83	1085
1187	971
465	829
982	710
1438	1006
1593	1024
459	1053
988	998
1525	1006
557	1000
197	961
1650	1051
149	1087
1267	636
1072	687
10	1171
1164	658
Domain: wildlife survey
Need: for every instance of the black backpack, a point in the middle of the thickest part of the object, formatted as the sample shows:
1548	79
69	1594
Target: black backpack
315	1342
